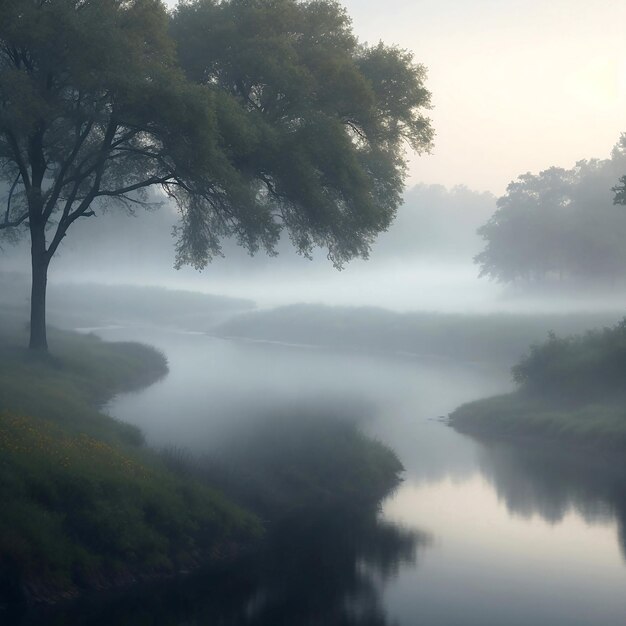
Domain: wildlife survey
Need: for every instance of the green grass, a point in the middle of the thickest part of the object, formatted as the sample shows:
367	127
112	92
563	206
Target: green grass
81	374
285	464
84	504
518	415
577	368
500	337
571	389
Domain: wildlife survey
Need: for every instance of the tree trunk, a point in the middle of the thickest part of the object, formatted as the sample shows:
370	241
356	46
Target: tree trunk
39	264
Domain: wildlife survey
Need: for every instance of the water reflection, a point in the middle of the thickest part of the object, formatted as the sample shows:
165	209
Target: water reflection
328	568
520	535
551	482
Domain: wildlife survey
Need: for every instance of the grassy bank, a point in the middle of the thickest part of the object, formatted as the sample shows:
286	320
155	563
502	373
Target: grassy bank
570	390
87	305
288	465
519	415
502	337
84	504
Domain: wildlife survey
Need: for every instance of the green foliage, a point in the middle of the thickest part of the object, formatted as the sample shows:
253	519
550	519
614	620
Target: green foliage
577	368
524	416
570	389
305	462
314	122
558	224
92	506
67	388
254	116
83	503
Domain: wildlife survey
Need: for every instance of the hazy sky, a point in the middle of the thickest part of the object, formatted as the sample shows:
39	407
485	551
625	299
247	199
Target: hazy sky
518	85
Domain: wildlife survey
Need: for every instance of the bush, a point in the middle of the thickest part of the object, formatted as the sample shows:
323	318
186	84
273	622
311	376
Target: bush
577	369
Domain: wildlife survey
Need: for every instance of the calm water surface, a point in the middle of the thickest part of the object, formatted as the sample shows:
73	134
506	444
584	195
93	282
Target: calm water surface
501	536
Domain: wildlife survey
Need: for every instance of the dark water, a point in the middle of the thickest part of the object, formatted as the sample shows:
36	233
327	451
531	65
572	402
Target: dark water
476	535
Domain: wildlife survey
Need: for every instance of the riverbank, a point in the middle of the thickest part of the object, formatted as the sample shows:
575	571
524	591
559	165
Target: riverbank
570	390
518	416
495	337
88	507
84	504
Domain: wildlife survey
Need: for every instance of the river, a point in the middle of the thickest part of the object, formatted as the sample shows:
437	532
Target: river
505	536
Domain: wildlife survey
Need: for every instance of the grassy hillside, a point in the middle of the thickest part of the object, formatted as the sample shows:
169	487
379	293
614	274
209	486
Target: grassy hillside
84	505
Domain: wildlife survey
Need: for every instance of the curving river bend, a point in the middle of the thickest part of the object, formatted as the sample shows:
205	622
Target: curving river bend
506	536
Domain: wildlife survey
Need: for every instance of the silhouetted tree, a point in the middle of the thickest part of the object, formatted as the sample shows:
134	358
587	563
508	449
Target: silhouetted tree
254	115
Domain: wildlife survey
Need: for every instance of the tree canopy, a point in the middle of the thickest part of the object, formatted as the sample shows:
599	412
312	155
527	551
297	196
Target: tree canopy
558	224
256	116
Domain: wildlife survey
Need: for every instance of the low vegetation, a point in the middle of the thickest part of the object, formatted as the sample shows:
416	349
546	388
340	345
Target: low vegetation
88	305
569	389
84	504
284	465
499	336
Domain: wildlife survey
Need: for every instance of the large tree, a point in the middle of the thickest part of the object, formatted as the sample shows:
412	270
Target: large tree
255	116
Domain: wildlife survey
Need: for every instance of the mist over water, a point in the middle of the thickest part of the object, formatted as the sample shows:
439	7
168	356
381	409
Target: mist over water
512	535
476	534
431	433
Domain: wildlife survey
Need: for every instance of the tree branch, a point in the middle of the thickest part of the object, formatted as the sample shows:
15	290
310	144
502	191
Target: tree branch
69	216
60	183
14	223
19	161
7	215
155	180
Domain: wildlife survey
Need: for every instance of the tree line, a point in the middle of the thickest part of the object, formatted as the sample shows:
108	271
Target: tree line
560	225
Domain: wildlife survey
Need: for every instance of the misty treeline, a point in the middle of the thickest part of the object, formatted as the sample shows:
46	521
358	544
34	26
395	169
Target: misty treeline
560	225
498	337
256	117
433	224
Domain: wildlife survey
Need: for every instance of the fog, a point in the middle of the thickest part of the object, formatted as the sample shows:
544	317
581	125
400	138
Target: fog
432	433
424	262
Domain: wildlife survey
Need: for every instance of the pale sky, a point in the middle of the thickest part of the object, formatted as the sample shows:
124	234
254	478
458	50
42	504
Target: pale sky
518	85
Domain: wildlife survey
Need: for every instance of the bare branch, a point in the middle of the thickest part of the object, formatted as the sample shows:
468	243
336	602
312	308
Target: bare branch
155	180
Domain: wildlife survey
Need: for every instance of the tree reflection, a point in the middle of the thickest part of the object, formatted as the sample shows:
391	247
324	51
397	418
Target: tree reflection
549	481
328	568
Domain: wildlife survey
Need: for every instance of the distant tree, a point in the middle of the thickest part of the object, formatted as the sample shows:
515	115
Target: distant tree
438	223
558	224
619	190
254	115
